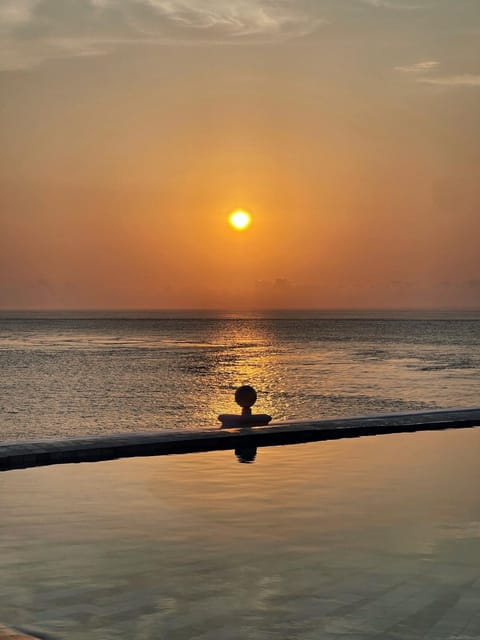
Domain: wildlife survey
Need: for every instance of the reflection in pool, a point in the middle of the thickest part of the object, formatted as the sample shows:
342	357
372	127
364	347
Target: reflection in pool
345	540
246	455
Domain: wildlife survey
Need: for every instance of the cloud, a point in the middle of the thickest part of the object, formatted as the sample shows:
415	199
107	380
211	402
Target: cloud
277	285
464	80
35	30
473	284
397	5
418	67
280	292
421	72
240	18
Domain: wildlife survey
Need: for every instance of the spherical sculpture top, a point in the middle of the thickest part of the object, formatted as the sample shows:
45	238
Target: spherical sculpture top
245	396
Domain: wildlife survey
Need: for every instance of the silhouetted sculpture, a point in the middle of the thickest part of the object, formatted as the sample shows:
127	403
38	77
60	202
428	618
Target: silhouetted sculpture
245	396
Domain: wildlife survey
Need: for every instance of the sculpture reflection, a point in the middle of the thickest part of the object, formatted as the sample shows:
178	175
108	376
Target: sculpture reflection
246	455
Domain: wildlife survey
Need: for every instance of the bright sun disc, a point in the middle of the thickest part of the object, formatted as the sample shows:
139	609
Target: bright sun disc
240	220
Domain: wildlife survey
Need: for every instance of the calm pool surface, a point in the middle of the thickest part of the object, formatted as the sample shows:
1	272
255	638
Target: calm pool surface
348	540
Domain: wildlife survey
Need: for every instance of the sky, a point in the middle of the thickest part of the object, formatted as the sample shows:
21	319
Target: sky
130	129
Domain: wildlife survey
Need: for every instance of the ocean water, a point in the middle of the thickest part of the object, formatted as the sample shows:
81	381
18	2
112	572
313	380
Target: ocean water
374	538
65	375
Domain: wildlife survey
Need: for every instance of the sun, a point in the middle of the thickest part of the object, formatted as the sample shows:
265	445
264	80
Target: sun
240	220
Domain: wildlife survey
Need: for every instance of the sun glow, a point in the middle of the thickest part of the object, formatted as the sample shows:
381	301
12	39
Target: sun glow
240	220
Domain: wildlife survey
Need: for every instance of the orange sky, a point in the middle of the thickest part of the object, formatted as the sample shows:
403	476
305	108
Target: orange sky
130	130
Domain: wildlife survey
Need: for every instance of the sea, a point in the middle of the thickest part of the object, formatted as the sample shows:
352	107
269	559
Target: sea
353	539
68	374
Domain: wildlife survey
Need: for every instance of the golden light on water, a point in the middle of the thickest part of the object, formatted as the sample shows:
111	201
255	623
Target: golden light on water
240	220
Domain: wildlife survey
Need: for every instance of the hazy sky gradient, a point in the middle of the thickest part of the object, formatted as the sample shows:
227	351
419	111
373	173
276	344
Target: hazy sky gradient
131	128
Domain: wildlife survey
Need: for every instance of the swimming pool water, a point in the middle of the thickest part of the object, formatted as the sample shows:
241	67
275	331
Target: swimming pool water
376	537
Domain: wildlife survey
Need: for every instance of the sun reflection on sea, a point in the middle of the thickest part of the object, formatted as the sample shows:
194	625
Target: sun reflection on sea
252	360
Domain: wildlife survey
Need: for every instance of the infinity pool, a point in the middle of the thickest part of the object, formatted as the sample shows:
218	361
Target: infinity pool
346	540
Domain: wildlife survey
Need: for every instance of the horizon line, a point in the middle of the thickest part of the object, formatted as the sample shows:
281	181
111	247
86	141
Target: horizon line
230	309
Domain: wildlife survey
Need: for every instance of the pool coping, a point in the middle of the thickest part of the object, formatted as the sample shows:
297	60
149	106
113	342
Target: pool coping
6	633
25	454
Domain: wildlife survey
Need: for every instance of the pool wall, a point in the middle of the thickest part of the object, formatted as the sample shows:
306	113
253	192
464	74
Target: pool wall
19	455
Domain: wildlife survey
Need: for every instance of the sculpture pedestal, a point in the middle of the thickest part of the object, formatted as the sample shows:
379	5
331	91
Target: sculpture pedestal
233	420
